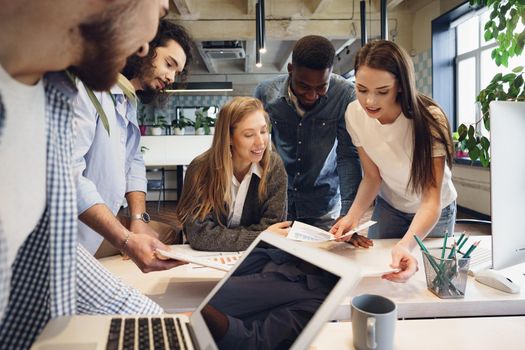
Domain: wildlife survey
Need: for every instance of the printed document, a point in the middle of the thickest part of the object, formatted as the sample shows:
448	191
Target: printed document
308	233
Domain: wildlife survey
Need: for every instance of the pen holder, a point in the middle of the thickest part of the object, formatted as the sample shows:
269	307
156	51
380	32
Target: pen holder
446	278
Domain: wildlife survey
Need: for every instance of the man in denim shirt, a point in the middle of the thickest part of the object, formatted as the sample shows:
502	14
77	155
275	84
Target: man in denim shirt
306	109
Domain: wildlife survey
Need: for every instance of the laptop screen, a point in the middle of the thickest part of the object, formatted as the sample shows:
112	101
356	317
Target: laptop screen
267	301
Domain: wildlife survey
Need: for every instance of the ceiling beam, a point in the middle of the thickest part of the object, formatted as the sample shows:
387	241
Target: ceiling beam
275	29
184	7
317	6
391	4
208	62
249	58
250	7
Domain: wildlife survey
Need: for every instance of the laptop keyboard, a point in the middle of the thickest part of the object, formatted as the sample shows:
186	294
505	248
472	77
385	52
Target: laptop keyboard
145	333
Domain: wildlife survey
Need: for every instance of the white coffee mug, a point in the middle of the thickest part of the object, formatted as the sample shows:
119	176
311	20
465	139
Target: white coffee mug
373	322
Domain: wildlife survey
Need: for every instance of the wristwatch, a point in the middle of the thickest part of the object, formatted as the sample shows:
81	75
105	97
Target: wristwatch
144	217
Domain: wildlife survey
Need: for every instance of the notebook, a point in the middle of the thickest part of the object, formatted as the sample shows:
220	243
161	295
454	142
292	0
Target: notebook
277	296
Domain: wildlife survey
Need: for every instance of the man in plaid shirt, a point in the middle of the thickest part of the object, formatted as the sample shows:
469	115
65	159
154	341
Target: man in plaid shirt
43	272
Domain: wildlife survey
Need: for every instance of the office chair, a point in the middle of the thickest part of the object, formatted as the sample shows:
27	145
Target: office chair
158	184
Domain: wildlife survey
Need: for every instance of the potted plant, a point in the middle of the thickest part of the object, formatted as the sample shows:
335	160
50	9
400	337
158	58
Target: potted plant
209	127
501	26
141	116
160	123
200	121
179	125
460	147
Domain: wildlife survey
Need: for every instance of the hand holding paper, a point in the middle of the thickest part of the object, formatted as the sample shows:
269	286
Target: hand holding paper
216	261
308	233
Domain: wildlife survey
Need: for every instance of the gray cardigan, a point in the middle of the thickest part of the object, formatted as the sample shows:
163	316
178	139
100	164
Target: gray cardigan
208	234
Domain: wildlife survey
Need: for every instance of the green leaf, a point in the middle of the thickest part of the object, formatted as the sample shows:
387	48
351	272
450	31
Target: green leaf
497	59
488	35
518	69
518	82
473	153
497	77
471	131
462	131
502	22
509	77
485	143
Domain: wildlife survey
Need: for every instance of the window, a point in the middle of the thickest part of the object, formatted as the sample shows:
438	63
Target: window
474	67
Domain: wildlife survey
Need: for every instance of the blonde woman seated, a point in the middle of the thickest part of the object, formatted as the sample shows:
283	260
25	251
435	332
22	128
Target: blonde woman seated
237	188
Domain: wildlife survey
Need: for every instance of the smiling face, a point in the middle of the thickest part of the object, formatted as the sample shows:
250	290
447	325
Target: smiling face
249	140
377	92
111	37
169	61
308	85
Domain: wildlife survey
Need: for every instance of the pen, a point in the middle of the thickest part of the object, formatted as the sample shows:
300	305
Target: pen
444	246
462	244
469	251
452	251
461	237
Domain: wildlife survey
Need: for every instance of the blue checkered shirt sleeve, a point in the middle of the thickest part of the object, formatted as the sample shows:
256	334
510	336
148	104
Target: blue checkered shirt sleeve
99	292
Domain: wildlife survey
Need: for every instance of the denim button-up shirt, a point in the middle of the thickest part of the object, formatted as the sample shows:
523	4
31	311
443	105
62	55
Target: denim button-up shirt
321	161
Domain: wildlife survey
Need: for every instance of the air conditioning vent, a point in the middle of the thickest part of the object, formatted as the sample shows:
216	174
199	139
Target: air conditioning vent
223	50
225	53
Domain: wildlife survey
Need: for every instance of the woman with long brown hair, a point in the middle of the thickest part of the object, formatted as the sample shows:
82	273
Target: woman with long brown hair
404	142
237	188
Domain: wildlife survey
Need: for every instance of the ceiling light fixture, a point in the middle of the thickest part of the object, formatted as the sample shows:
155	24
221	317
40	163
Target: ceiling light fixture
364	39
258	37
384	20
220	86
262	24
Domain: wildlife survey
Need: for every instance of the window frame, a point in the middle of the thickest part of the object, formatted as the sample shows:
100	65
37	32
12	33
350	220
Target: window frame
476	53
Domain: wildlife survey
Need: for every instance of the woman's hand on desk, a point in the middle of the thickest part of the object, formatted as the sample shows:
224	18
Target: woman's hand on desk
141	249
403	260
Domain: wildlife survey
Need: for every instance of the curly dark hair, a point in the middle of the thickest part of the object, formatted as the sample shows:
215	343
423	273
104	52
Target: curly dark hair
137	66
314	52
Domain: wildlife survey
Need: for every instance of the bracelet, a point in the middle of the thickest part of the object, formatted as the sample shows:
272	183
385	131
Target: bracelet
128	236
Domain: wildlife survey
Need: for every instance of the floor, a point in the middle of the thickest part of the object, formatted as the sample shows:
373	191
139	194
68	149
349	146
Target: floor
166	214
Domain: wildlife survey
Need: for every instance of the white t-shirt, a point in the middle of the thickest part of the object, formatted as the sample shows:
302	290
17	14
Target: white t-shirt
239	192
390	147
23	160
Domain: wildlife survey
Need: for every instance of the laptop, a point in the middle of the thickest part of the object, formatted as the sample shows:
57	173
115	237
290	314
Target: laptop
277	296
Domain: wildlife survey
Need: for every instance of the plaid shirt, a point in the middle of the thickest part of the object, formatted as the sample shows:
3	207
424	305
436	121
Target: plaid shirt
51	275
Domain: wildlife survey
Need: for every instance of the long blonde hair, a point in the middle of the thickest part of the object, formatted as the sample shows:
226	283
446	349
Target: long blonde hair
208	188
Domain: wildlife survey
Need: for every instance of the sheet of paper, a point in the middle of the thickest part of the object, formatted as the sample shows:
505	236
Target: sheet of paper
217	261
308	233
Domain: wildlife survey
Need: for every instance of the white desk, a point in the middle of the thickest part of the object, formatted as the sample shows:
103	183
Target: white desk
440	334
505	333
413	298
177	290
182	288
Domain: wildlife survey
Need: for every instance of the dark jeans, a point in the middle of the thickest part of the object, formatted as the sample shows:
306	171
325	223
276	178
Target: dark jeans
392	223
